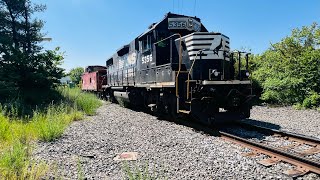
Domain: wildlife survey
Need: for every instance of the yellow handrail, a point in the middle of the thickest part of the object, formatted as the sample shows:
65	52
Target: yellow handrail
180	61
188	82
176	34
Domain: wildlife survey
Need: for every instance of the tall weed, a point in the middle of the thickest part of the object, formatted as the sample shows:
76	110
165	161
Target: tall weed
4	128
46	123
83	101
136	173
16	163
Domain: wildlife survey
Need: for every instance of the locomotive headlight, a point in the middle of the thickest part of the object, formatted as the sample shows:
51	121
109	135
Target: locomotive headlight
247	74
215	72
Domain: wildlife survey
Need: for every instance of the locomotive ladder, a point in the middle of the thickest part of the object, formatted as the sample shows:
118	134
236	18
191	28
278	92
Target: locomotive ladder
182	72
189	94
188	80
188	99
179	70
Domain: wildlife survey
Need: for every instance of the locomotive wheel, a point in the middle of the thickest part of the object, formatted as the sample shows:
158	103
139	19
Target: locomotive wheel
246	112
109	96
171	106
173	112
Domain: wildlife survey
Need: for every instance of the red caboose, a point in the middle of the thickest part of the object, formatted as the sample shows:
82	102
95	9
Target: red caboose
94	78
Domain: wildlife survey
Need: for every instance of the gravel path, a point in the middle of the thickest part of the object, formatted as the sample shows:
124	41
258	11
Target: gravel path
305	122
170	150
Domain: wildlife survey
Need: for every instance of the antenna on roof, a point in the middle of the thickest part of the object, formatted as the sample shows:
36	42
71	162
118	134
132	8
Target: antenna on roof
194	7
173	6
178	7
181	6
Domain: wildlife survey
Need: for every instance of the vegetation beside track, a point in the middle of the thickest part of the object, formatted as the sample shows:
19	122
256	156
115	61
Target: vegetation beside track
33	106
288	72
17	133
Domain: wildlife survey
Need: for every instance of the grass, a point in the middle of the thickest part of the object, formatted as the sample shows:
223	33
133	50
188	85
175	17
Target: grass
86	102
18	133
81	175
16	163
136	173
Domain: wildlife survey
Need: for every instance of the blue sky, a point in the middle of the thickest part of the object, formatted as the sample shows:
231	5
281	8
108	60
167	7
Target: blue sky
89	31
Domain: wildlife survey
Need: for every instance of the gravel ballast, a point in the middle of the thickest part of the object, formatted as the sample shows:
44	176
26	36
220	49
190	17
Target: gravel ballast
169	150
306	122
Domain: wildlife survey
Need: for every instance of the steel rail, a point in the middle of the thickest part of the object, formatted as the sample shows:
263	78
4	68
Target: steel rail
294	136
302	163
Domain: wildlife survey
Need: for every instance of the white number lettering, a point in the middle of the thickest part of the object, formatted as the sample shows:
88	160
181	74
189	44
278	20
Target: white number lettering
147	59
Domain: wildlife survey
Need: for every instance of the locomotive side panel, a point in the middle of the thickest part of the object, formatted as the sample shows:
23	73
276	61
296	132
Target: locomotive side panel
122	66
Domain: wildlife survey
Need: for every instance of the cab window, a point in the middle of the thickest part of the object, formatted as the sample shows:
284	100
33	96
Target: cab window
146	43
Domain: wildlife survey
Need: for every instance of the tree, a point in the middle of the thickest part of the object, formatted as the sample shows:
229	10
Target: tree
26	71
289	71
75	74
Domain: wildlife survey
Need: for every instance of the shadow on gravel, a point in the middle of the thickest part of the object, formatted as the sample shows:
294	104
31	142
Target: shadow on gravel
261	123
212	130
184	121
243	129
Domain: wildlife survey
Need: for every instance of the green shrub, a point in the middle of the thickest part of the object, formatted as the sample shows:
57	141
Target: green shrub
298	106
312	101
289	70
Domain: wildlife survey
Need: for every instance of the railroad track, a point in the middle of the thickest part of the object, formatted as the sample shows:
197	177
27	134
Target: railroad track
286	153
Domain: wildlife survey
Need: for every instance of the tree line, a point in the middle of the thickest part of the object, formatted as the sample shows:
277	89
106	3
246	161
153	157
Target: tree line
288	73
27	71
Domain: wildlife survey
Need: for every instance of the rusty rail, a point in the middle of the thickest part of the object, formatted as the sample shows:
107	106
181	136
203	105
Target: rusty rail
294	136
303	164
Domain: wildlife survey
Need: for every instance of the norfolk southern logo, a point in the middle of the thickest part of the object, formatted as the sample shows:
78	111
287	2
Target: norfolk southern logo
217	45
190	24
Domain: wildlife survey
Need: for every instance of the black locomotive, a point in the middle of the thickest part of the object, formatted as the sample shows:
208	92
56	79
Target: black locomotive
176	67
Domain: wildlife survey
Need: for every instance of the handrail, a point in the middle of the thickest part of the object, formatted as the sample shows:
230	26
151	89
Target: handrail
176	34
188	82
180	61
190	70
177	77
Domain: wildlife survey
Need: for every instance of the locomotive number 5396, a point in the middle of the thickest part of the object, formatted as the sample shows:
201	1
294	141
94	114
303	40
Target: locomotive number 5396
147	58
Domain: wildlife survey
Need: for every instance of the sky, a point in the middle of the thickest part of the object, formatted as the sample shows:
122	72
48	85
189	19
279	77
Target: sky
90	31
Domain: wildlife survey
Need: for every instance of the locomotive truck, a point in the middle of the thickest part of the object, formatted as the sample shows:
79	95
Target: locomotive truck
177	67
